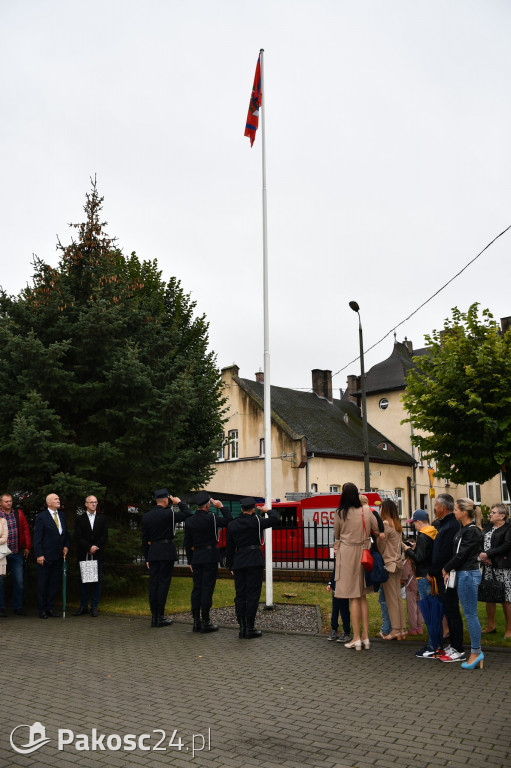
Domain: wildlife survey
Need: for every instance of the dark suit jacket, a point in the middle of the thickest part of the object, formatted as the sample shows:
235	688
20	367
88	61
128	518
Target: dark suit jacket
243	549
86	537
201	536
48	542
158	529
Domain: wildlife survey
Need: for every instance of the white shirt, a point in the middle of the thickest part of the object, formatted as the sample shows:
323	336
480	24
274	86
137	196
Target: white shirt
92	517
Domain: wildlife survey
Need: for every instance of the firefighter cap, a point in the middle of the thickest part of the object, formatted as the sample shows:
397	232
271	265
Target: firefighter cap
201	498
248	502
162	493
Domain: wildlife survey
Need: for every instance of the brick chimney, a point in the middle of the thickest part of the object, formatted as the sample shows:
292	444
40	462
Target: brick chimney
260	377
353	386
409	345
322	384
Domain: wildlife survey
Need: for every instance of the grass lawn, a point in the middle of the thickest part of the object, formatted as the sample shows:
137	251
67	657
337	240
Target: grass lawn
298	593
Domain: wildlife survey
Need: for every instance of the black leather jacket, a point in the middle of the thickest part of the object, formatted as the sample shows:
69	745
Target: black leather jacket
470	540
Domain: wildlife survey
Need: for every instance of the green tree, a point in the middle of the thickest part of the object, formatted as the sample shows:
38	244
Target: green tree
460	396
106	382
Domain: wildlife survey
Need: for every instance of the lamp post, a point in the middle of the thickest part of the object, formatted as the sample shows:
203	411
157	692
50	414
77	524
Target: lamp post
365	440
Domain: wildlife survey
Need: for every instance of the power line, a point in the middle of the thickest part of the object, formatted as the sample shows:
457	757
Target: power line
425	302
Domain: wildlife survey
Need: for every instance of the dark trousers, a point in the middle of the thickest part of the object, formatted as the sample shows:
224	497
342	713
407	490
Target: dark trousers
341	605
248	583
449	598
14	564
204	580
93	587
49	577
160	576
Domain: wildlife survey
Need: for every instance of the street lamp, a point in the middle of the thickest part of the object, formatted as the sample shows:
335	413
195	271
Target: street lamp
365	440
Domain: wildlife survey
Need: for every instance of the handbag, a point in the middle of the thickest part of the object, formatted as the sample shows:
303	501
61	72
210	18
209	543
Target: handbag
88	570
367	560
491	590
4	551
451	580
379	573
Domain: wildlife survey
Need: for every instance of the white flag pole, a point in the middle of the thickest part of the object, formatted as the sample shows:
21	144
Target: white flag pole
268	548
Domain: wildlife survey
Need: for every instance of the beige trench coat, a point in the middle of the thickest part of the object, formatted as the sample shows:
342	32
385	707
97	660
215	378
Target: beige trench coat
349	542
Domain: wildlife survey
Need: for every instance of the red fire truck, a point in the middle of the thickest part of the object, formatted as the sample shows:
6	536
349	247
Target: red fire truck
306	529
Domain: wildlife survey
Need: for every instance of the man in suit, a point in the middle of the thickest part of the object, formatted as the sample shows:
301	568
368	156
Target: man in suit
91	533
201	546
245	560
160	554
51	543
19	542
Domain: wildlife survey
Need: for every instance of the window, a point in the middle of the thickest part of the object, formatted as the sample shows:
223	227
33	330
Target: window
314	488
220	452
261	446
504	490
419	458
384	403
334	489
232	437
399	500
474	492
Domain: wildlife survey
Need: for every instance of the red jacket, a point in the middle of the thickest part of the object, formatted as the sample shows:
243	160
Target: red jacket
24	537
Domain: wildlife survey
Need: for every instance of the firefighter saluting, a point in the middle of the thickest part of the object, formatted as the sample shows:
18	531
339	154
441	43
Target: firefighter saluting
245	560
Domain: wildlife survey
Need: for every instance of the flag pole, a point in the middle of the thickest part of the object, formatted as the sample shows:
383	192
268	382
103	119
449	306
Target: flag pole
267	392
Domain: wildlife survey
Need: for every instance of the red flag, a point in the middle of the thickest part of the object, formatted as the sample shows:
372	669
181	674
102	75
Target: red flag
255	103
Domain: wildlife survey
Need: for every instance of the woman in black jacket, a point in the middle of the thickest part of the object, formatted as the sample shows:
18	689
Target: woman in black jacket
497	561
467	546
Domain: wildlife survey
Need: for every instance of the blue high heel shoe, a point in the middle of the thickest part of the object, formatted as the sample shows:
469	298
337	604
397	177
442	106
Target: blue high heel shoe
473	665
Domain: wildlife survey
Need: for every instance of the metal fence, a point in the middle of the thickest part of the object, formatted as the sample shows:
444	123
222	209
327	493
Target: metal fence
298	546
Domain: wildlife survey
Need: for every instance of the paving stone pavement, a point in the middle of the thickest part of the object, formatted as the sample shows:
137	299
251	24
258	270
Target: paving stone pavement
291	701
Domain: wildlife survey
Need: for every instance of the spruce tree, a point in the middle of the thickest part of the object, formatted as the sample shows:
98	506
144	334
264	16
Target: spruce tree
106	382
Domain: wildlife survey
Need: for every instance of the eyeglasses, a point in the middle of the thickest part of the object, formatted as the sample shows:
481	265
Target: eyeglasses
92	502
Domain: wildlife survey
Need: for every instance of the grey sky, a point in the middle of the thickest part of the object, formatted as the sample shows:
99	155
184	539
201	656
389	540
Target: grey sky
388	157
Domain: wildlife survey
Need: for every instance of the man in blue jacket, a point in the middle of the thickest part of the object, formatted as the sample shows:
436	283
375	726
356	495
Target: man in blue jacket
51	543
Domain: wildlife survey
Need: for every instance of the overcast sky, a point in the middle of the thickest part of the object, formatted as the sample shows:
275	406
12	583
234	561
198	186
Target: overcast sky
388	132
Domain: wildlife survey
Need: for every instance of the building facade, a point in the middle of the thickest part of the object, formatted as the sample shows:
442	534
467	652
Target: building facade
316	443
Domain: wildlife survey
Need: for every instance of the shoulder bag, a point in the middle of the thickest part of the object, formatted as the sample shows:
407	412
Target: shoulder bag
367	558
491	590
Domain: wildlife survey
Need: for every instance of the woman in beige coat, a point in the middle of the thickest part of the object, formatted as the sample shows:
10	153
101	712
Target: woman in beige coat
391	549
353	524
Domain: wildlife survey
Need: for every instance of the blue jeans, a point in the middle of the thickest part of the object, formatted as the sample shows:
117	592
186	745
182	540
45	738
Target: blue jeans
385	619
467	583
15	566
424	588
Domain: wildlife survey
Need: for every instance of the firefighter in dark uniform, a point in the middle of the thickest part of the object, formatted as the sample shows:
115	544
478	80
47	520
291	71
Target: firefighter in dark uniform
158	529
245	560
201	546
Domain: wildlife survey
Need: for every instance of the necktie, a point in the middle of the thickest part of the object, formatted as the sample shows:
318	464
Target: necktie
56	519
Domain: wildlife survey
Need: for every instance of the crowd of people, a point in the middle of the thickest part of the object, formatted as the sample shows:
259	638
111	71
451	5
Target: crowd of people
440	570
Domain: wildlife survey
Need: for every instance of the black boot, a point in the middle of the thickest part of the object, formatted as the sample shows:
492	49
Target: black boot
251	632
243	626
207	625
154	620
161	620
197	624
